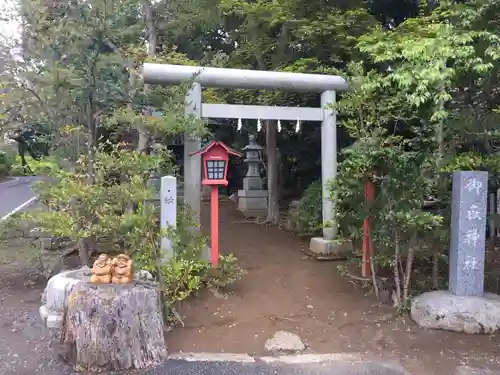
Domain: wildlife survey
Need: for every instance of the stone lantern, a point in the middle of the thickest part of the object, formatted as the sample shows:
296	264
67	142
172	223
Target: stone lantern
252	200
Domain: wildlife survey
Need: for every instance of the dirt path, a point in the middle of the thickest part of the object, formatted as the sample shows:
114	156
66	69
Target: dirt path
286	290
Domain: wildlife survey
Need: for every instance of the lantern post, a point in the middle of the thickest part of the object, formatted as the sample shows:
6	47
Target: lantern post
215	158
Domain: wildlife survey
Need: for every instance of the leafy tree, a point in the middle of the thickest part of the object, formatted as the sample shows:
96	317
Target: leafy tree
79	73
409	131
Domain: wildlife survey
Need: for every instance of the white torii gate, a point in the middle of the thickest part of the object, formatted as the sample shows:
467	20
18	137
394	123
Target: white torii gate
164	74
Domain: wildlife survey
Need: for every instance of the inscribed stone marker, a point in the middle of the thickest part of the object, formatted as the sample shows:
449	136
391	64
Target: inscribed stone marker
468	227
168	216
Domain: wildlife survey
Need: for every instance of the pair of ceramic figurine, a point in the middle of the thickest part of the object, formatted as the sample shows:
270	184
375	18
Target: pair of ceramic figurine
116	271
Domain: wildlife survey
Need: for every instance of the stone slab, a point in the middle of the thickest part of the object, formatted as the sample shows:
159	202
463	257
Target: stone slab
252	183
322	249
253	193
252	203
56	293
52	319
467	238
283	341
447	311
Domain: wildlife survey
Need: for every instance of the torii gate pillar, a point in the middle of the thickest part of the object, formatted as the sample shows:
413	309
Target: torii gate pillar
192	161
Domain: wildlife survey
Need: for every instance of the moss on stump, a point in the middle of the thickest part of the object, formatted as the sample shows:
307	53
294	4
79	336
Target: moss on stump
113	327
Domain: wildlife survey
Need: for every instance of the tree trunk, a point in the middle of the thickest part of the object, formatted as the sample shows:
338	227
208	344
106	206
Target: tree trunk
144	136
271	152
150	27
272	173
113	327
83	252
372	268
397	256
435	271
22	154
92	144
83	243
409	267
441	186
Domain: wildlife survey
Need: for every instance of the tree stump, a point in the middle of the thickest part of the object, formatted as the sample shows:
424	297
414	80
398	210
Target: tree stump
113	327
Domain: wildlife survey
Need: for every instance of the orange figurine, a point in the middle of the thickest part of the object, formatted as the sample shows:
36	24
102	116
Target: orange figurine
122	270
101	270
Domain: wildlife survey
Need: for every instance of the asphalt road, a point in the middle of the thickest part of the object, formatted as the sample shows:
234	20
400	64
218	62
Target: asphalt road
341	367
14	193
180	367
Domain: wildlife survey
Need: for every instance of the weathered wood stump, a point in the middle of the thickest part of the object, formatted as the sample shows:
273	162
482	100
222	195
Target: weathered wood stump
113	327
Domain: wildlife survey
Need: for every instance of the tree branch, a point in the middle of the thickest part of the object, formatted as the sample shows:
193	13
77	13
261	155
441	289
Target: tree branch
45	108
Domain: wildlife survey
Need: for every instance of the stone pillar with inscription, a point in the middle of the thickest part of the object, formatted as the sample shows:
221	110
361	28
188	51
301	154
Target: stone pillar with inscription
468	231
464	307
168	219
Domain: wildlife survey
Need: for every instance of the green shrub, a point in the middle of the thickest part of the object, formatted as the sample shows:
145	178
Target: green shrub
306	217
183	277
189	272
46	166
6	162
229	272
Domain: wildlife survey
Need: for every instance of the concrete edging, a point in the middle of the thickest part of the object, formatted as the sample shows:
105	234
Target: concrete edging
327	359
313	358
213	357
287	359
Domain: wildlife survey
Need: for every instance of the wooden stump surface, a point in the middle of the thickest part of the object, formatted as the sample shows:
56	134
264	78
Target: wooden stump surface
113	327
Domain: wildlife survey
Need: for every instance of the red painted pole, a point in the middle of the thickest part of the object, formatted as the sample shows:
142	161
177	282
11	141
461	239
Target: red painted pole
367	228
214	224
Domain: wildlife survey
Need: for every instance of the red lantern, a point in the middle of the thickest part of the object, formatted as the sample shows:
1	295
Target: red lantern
215	156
